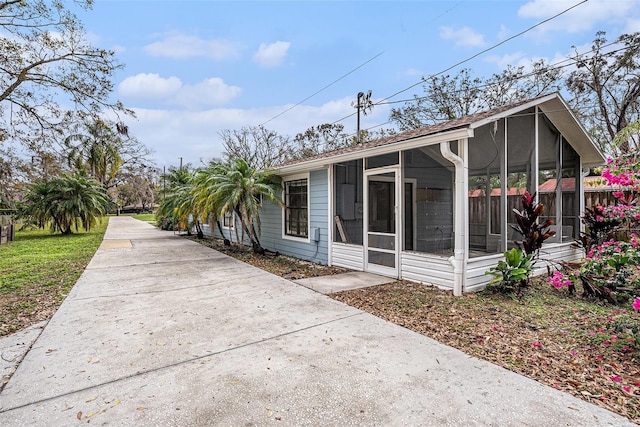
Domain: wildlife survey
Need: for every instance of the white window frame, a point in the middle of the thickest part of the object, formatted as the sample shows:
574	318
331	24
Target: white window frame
284	208
231	216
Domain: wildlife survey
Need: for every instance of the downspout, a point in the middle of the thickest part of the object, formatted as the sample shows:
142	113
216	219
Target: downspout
461	193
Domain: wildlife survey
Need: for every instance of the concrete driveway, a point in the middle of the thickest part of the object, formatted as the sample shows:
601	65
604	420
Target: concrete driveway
161	331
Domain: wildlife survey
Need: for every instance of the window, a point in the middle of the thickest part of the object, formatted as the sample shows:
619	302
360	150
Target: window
296	217
228	219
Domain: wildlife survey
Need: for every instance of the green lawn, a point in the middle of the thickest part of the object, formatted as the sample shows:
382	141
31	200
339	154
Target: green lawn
147	217
38	269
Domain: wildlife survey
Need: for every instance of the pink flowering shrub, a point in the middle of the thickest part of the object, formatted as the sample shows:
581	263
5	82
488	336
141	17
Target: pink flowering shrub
611	269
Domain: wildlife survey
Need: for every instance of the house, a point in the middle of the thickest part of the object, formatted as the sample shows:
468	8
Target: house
418	205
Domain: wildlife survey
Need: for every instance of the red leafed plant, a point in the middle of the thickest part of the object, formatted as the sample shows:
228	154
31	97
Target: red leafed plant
533	233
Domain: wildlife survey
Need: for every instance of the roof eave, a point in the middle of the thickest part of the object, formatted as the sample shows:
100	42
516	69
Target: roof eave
406	144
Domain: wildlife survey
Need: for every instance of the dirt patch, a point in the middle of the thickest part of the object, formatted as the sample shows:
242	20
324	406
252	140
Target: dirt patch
281	265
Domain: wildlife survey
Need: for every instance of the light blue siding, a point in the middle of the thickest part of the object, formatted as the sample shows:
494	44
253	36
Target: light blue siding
271	224
271	216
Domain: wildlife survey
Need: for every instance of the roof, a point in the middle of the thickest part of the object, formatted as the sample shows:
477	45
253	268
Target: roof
553	105
591	184
513	191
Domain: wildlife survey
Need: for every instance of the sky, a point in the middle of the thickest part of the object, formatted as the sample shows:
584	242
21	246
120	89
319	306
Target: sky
193	69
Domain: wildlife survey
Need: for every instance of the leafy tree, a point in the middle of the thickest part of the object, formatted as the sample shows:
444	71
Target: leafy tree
45	58
606	88
65	202
259	147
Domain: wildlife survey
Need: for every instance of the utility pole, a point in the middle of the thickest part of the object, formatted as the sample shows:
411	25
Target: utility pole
363	104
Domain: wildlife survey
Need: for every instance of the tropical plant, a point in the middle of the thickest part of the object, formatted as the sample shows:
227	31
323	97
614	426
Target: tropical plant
206	186
599	226
512	274
96	152
65	202
240	188
178	208
533	233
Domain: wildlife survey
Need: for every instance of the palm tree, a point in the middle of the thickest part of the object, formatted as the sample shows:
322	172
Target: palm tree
240	188
204	192
65	202
96	152
178	206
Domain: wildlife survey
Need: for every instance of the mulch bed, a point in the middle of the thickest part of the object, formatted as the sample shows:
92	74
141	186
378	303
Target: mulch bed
546	336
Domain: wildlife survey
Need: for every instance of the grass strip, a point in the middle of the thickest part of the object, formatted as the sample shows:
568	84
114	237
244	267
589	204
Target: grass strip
38	269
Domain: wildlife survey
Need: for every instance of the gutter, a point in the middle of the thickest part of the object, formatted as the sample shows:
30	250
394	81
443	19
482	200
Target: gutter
458	260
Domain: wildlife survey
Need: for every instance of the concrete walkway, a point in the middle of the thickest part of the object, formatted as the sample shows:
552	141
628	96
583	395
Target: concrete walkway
162	331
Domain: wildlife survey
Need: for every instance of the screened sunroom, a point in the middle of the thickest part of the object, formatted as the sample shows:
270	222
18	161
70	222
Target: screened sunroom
434	204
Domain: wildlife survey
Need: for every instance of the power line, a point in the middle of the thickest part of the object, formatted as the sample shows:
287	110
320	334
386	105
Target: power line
382	101
352	71
490	48
555	66
569	62
327	86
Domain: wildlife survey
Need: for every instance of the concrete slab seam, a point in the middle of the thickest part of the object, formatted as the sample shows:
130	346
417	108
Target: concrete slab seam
152	263
180	363
19	360
96	297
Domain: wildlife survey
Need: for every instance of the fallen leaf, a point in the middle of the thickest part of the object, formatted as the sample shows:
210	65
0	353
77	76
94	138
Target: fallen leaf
160	344
91	400
140	408
117	402
79	415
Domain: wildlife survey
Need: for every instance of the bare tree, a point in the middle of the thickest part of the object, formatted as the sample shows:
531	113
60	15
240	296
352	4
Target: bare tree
450	97
515	84
606	88
444	98
259	147
44	59
319	139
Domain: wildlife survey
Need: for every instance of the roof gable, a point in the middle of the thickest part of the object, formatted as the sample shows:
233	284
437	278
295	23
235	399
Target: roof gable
552	105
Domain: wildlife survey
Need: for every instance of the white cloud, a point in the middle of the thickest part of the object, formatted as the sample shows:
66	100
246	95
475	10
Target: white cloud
149	87
210	92
583	18
171	90
633	26
503	33
411	72
194	135
180	46
271	55
464	36
515	59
